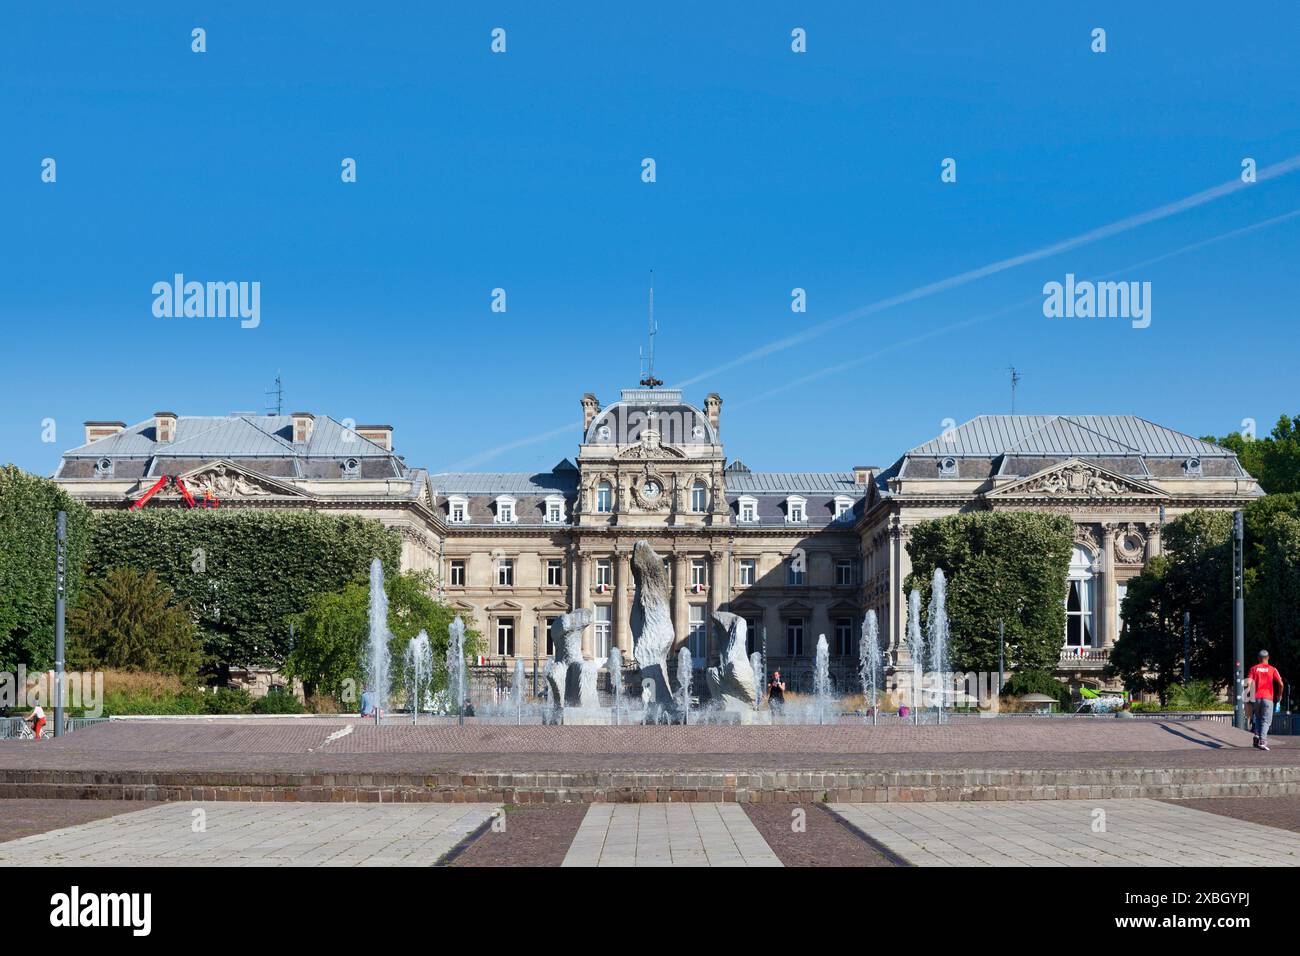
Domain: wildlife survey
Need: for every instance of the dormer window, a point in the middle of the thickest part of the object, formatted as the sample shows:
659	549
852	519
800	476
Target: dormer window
748	508
457	509
948	467
604	497
554	510
505	506
1192	468
699	497
843	508
796	510
104	468
351	468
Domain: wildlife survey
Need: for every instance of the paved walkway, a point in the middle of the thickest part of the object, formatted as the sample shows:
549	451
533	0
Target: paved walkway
257	834
668	834
1065	833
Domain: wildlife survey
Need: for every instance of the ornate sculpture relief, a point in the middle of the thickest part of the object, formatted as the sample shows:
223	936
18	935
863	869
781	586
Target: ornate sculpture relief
1077	480
1130	544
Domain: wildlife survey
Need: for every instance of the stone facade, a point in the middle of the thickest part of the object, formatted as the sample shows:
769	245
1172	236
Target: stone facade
795	554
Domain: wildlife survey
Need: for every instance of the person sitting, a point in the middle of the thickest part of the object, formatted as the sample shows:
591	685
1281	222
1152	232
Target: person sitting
37	719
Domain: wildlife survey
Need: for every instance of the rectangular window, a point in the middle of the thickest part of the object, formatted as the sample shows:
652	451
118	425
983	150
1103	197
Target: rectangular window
505	573
748	512
458	512
753	635
604	498
505	637
795	571
550	640
554	512
844	637
699	498
1120	591
747	571
457	574
794	637
843	510
844	572
505	512
604	572
554	573
603	630
796	512
699	572
698	636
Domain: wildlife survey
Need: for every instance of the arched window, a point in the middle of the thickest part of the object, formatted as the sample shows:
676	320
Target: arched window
604	497
699	497
1079	600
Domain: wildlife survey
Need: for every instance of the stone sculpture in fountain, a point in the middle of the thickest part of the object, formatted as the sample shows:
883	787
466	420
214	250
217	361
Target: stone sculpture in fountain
731	684
570	678
652	629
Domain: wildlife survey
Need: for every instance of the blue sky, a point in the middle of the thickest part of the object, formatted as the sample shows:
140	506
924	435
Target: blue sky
522	170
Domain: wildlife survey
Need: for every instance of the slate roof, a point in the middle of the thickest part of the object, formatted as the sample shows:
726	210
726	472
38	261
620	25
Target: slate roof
1066	436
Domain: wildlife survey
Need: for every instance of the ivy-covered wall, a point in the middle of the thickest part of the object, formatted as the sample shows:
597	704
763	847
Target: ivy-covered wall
28	506
243	572
1001	566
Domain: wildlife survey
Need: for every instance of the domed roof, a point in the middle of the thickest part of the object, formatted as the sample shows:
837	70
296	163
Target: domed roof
661	409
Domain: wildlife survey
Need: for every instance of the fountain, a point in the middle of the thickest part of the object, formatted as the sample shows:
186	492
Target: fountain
419	672
822	678
517	690
756	665
937	633
456	685
869	666
684	681
377	677
615	665
915	648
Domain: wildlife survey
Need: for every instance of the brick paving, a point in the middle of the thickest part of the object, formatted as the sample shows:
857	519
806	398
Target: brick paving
668	834
21	818
1283	812
1065	833
256	835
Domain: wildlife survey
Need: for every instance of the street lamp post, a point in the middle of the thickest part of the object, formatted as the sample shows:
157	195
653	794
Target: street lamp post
60	570
1238	621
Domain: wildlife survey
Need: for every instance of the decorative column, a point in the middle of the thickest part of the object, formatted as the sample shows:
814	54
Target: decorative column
582	596
1106	595
623	587
681	619
1155	546
717	593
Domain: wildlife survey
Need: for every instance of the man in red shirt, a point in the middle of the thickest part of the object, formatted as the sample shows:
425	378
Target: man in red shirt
1260	680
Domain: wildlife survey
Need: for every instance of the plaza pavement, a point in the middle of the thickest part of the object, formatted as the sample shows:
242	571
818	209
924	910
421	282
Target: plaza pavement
1059	833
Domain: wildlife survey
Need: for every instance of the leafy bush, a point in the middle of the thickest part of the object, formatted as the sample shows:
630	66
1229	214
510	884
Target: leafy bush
1194	695
1001	566
1036	682
28	506
132	622
227	700
278	702
123	703
244	573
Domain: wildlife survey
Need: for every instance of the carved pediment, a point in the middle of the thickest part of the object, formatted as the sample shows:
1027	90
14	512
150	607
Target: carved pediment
649	451
1077	478
225	482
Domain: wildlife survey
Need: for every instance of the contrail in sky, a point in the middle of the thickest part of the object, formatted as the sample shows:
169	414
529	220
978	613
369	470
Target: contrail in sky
952	282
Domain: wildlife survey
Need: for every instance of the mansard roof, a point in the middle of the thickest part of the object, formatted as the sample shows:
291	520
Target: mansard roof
1066	436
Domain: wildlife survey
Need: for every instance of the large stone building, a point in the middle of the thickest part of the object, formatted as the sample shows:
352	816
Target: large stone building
798	554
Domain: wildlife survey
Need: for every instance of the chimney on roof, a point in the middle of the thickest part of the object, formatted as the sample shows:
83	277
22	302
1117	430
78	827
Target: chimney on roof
713	408
590	409
381	435
303	423
862	474
164	426
97	430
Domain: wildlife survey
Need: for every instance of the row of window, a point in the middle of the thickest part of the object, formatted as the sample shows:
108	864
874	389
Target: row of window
846	572
845	643
505	511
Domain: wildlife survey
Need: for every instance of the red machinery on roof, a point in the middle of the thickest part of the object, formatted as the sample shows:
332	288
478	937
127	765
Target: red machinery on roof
209	499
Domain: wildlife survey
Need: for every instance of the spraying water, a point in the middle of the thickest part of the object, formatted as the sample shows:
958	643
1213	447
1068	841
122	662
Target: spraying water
822	678
615	665
760	688
517	690
456	665
937	632
869	664
419	672
915	648
377	677
684	679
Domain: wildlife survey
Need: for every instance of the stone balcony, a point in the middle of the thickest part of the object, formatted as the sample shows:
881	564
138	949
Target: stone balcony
1083	658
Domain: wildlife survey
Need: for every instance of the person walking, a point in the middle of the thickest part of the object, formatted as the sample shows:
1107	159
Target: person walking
1261	680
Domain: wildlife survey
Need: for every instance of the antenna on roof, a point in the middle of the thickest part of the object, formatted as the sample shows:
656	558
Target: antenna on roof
648	363
278	391
1015	380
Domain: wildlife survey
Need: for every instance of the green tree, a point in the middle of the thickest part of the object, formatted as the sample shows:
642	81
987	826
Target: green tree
1273	460
1148	655
28	506
244	572
1001	566
132	621
1273	602
331	634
